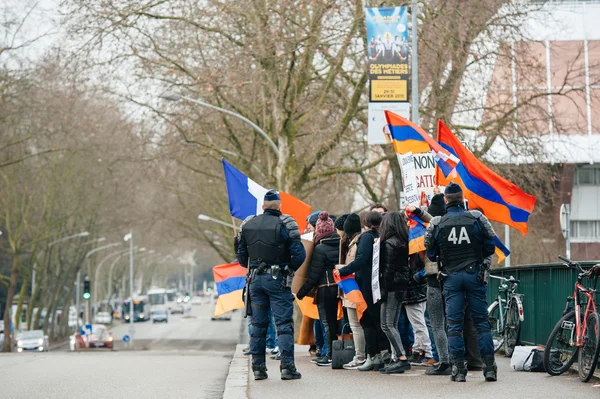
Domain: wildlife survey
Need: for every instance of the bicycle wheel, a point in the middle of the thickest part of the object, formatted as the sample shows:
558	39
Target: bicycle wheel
497	328
512	331
588	353
560	350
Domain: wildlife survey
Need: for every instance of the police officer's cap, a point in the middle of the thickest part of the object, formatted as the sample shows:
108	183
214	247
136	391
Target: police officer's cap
452	188
272	195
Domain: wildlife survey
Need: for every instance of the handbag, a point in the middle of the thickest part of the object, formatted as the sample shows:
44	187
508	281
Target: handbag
342	351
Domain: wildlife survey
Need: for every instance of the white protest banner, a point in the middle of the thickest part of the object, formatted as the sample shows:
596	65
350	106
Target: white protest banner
411	194
425	174
375	274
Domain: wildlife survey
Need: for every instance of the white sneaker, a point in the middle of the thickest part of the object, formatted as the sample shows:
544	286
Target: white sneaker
354	364
275	350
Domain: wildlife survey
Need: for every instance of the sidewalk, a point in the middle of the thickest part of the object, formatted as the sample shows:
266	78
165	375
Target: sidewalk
321	382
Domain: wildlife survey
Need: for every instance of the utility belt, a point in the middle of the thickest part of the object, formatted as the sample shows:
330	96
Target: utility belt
274	270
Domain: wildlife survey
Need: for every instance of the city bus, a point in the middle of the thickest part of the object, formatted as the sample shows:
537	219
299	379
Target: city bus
141	309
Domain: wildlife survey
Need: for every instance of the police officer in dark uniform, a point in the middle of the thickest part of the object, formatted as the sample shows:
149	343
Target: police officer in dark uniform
463	239
270	246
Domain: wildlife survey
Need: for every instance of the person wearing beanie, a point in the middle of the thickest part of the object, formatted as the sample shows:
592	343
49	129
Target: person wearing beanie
270	246
312	222
324	258
462	240
339	224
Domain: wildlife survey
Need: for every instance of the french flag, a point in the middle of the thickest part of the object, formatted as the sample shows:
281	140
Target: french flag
246	198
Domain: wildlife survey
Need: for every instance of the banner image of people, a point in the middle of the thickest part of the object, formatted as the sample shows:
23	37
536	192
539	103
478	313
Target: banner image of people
387	48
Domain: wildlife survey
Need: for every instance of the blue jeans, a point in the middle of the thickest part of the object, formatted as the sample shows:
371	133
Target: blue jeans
268	294
462	288
433	347
406	332
320	336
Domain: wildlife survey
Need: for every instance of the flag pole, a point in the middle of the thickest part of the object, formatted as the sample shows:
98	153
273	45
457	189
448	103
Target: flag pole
415	65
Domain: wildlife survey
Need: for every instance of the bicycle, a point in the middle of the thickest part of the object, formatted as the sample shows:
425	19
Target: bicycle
577	332
506	315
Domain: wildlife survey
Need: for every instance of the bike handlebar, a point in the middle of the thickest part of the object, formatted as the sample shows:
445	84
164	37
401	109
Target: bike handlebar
564	259
508	280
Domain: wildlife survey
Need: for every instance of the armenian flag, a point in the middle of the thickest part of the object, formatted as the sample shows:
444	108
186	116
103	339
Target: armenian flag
501	249
246	198
416	234
498	198
408	137
230	280
349	287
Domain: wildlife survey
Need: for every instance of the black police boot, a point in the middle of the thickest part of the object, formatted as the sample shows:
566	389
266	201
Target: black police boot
459	371
289	372
490	370
260	371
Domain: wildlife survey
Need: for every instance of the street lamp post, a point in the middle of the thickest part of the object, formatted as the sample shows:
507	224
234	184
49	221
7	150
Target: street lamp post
129	237
206	218
177	97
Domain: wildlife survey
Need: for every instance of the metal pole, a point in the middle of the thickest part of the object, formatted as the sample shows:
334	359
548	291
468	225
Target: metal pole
415	65
78	297
131	328
568	223
507	243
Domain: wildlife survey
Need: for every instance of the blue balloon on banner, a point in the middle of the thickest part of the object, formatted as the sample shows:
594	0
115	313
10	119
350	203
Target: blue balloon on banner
126	338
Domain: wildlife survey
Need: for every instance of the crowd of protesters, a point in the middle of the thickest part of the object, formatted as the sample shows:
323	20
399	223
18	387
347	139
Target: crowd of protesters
407	327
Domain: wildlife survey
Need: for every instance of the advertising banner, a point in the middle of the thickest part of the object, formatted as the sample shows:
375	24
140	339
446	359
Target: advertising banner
387	49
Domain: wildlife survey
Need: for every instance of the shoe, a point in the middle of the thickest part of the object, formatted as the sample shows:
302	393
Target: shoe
459	371
260	372
319	352
289	372
324	361
490	371
397	367
312	350
367	365
417	360
276	357
246	352
428	362
275	350
440	369
378	362
354	364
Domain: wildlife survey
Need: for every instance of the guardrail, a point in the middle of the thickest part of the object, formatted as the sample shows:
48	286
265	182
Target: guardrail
546	288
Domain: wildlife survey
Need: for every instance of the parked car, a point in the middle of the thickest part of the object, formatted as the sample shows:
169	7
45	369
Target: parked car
196	300
33	340
160	315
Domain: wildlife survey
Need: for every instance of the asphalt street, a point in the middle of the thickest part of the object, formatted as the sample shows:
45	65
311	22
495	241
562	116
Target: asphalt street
321	382
187	358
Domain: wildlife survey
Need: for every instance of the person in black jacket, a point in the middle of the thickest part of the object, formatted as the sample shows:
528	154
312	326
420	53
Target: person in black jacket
362	267
394	280
325	256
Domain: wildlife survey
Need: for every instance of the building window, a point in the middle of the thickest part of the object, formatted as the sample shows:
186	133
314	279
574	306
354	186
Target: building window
587	176
585	230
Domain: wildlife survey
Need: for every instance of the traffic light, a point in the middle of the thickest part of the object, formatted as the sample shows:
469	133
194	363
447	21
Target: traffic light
86	289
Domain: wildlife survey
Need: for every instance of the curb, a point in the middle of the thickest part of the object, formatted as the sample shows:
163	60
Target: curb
236	385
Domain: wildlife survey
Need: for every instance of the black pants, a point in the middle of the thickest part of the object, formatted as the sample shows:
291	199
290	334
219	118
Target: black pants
327	304
375	339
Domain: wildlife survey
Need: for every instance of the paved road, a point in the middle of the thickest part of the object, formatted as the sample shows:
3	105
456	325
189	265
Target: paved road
347	383
186	358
